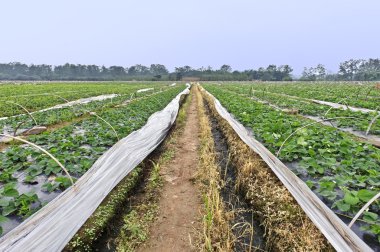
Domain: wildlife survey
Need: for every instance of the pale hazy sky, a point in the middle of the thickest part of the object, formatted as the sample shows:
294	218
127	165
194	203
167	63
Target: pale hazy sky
243	33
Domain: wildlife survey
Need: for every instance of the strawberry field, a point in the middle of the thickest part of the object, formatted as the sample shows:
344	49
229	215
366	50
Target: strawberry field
38	96
340	169
281	166
76	135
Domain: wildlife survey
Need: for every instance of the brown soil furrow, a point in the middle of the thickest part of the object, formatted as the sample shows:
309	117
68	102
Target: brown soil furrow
180	203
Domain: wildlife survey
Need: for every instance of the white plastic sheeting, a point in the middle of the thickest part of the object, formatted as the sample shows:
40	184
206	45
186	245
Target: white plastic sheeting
80	101
51	228
144	90
339	235
71	103
344	107
371	139
331	104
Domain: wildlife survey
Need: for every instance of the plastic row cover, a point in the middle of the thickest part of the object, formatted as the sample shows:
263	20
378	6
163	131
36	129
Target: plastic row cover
70	104
331	104
339	235
371	139
344	107
51	228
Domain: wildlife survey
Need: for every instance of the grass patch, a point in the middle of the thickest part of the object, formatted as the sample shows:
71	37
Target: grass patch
217	235
135	229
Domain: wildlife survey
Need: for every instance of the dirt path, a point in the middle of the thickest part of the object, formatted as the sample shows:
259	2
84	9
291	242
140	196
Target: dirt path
180	201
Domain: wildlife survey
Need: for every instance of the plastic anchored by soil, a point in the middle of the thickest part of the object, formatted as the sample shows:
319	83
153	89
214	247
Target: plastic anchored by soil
180	203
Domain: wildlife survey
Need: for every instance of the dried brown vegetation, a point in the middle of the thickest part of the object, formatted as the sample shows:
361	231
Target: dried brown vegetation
217	235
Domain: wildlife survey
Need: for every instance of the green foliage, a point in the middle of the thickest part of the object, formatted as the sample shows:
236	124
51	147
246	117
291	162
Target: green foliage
36	97
97	223
300	92
77	146
339	169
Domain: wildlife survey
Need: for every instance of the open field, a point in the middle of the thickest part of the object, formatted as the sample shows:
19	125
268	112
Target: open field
200	177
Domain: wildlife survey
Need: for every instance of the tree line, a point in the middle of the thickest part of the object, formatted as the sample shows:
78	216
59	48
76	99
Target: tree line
353	70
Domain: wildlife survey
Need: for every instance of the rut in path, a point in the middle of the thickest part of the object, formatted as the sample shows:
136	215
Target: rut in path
180	202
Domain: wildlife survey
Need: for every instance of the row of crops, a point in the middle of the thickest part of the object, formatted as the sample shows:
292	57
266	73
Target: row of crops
342	118
39	96
362	95
77	136
340	170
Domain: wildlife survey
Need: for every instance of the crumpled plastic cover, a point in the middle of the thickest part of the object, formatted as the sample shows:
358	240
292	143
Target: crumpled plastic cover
339	234
52	227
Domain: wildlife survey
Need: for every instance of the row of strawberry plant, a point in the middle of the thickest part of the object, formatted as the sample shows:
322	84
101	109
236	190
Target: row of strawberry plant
65	114
363	95
39	96
344	118
77	146
343	172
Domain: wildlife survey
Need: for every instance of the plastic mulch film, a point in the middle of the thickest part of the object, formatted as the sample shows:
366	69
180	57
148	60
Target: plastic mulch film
344	107
336	231
331	104
52	227
69	104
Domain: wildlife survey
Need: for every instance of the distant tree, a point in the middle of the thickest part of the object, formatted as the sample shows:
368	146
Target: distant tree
142	70
226	69
19	68
184	69
320	72
349	68
139	70
283	73
104	72
201	69
117	71
365	70
43	72
314	73
308	74
187	69
158	69
132	71
93	71
369	70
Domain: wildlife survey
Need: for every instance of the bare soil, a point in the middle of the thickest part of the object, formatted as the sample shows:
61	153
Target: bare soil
180	203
